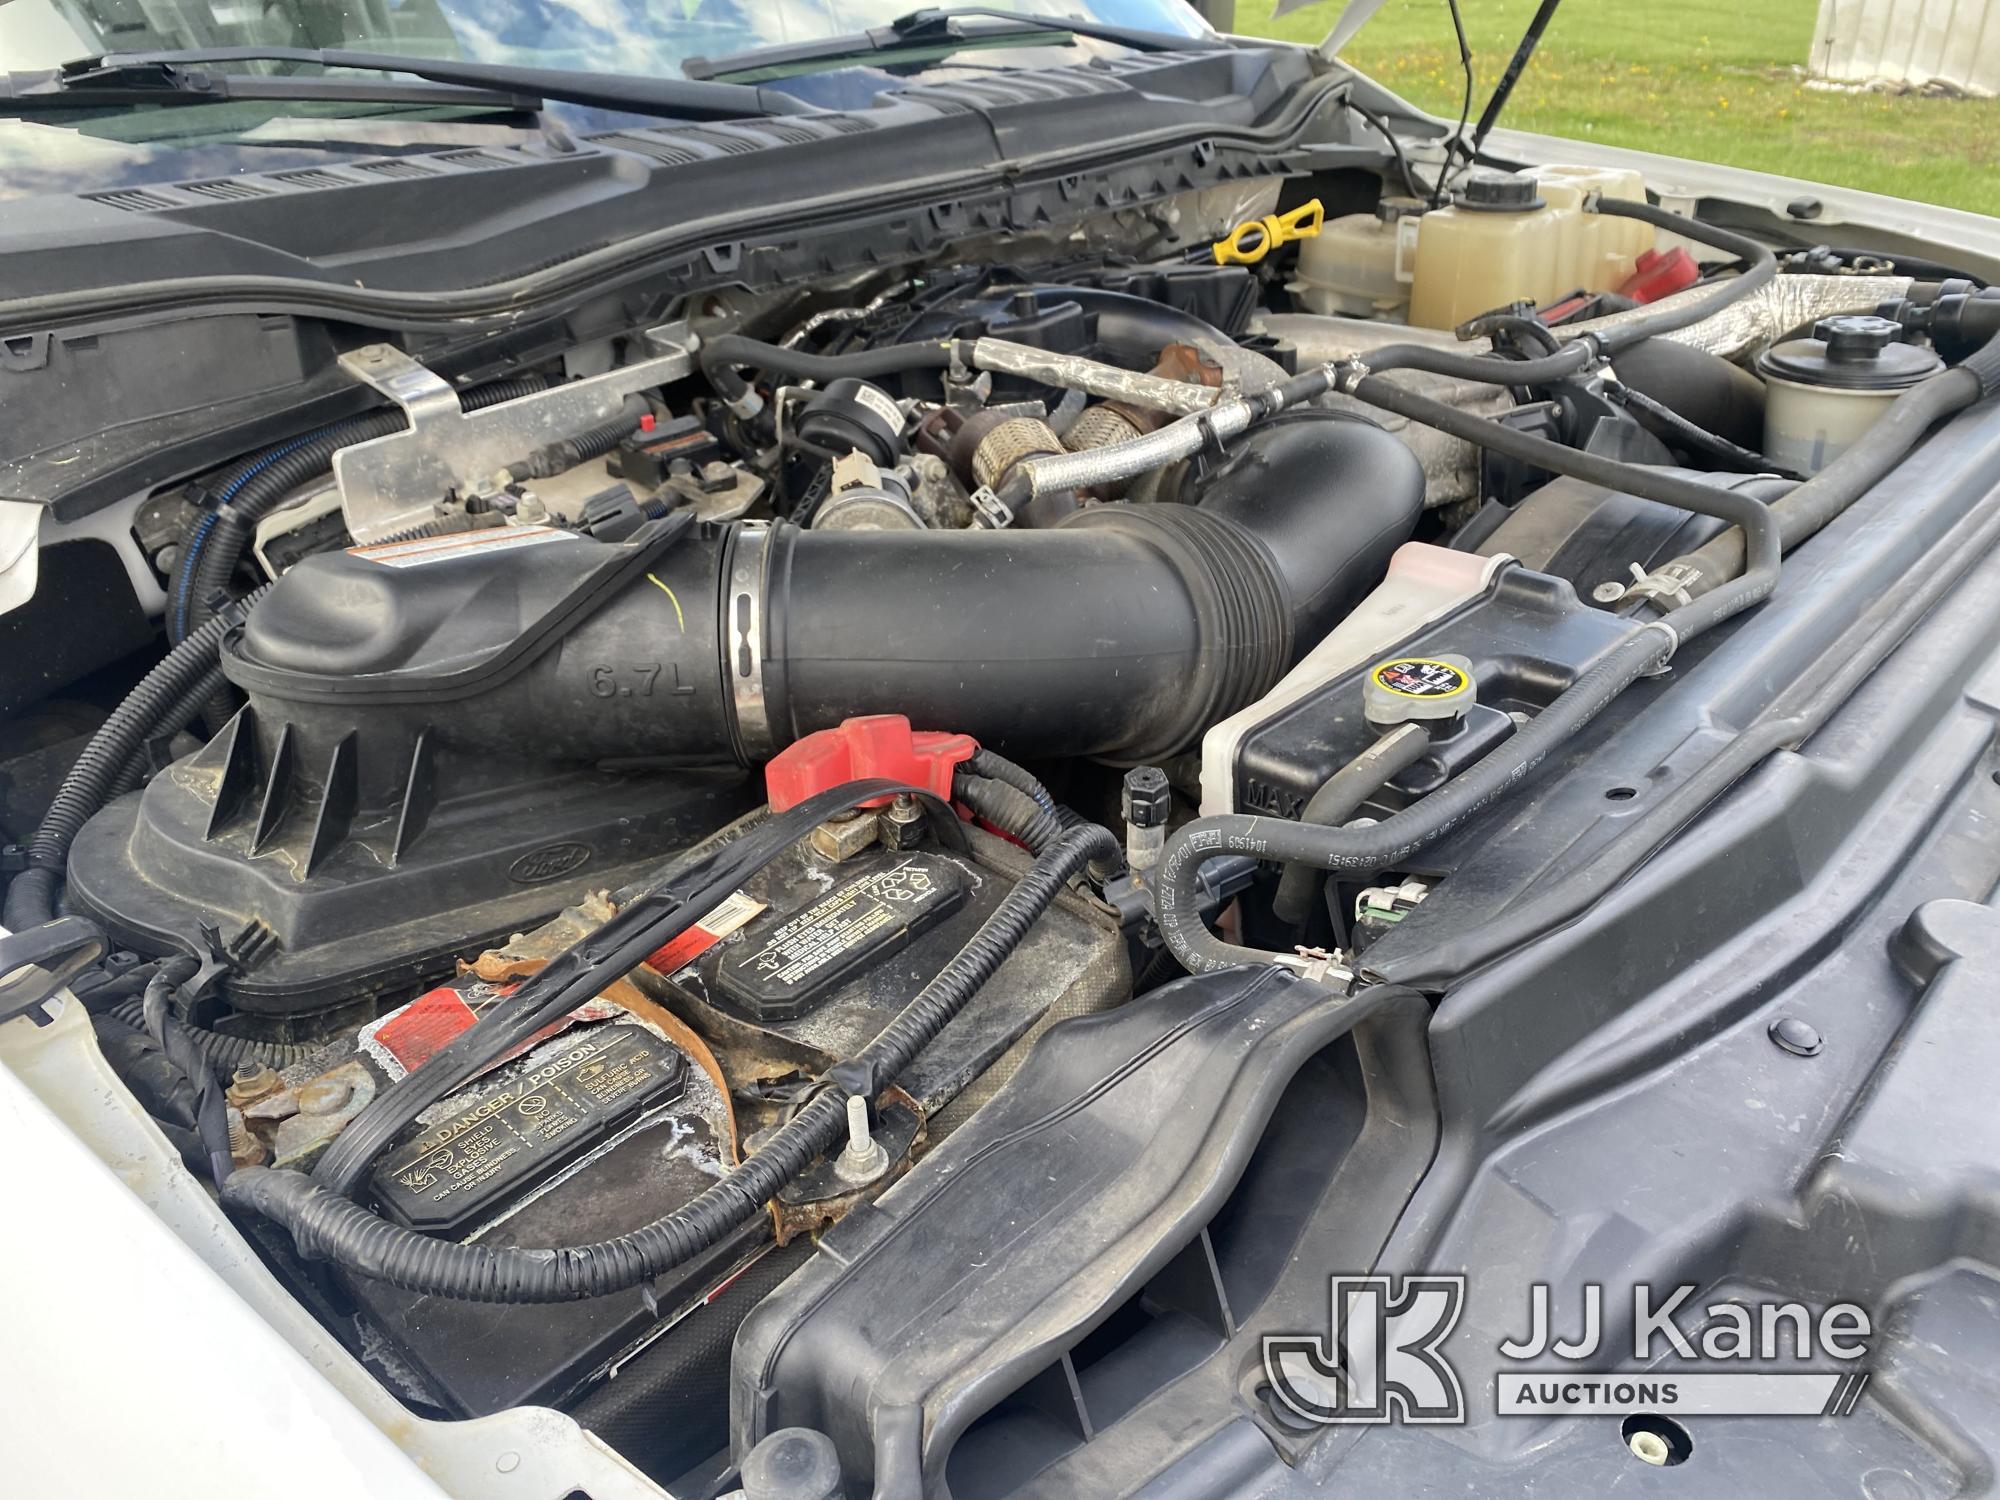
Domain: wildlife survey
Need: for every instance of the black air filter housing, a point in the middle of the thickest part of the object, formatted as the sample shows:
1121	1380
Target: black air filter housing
262	848
396	792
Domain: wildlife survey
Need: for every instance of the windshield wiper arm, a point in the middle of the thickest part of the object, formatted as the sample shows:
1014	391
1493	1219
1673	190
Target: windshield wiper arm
672	97
932	26
167	84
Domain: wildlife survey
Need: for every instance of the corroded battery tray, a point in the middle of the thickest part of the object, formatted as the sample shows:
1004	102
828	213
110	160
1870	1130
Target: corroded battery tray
541	1112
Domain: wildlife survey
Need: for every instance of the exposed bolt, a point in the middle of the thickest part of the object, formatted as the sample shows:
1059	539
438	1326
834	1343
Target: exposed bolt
1796	1036
1609	592
251	1082
864	1160
1649	1448
902	826
245	1149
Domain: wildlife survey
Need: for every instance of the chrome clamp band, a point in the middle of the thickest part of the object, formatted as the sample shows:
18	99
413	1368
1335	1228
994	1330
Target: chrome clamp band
743	632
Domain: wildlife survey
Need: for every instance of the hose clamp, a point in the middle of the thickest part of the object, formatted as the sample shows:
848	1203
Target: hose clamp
1668	584
1673	641
744	621
989	511
1318	965
1211	442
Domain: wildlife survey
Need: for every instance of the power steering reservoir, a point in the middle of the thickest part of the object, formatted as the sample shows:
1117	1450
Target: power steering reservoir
1826	391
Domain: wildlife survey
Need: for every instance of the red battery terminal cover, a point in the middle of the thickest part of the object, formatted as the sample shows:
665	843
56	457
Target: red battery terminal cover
857	749
1660	273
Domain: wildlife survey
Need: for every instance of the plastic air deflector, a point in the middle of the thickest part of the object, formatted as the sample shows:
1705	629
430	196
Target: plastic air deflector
1091	1174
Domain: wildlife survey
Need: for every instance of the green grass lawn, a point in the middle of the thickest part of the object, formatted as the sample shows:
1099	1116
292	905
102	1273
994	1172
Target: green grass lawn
1715	80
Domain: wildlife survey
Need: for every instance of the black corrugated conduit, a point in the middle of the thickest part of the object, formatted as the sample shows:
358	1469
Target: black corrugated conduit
224	1052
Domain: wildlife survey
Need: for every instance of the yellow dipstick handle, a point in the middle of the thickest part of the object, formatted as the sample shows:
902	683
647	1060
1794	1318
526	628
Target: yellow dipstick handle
1253	239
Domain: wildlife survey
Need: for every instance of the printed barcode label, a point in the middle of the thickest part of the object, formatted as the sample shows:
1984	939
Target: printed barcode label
734	911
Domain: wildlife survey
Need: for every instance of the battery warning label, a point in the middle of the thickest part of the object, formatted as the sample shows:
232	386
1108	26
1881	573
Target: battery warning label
546	1114
778	973
736	909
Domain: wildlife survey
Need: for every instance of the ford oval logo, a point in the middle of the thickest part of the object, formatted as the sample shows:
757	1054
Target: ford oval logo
551	863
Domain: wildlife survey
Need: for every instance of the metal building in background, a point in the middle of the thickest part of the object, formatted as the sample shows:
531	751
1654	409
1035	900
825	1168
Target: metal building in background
1914	42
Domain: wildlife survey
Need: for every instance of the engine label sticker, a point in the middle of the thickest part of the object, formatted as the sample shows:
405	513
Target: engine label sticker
879	403
549	1111
423	551
1420	677
736	909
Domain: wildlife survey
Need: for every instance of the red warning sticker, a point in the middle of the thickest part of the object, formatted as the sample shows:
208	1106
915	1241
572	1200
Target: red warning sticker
407	1038
419	1031
705	934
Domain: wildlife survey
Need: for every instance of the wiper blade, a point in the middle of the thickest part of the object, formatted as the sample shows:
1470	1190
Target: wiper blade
167	84
932	27
670	97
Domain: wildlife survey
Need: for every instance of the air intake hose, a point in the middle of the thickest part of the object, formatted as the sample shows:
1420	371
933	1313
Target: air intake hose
1125	632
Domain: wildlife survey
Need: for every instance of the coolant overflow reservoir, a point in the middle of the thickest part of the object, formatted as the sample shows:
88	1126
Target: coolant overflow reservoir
1493	246
1357	265
1524	237
1824	392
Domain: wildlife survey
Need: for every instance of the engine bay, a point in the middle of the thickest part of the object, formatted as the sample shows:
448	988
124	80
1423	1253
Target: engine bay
598	860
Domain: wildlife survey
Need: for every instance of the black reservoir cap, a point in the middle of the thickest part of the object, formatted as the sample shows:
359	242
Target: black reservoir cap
1851	352
1489	192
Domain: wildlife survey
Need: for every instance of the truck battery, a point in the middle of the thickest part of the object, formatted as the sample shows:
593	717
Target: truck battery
820	953
606	1121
